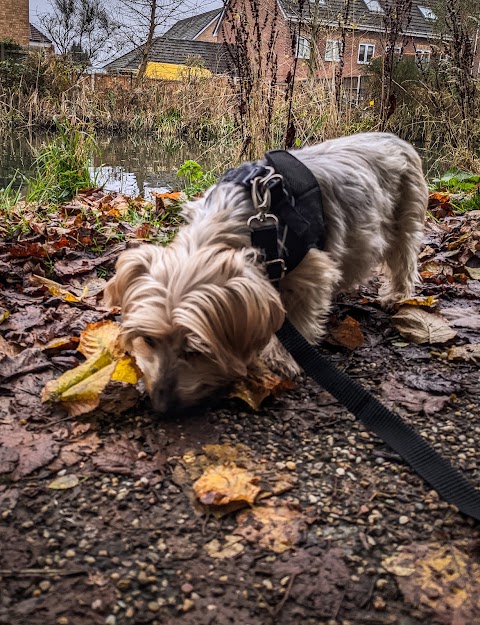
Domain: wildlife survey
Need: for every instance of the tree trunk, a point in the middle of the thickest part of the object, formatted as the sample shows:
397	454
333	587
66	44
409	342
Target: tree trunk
148	44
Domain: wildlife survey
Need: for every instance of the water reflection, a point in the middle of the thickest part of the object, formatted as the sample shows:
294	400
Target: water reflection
134	166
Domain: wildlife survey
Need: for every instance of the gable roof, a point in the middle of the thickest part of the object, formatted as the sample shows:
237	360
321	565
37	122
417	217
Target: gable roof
191	27
37	37
360	14
178	52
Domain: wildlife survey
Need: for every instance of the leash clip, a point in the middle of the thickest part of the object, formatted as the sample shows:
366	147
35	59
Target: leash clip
261	194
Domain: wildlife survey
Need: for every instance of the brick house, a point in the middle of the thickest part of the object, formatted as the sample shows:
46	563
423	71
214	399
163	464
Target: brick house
363	29
15	25
15	21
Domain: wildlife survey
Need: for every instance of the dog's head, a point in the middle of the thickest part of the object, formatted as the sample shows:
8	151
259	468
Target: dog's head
193	320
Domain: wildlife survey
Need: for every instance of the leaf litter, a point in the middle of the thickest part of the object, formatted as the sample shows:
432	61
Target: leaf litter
36	441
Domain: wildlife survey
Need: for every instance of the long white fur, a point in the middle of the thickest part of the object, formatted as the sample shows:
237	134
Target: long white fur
204	304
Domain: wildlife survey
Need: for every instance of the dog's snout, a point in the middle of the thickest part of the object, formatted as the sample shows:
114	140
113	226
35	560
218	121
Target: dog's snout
164	398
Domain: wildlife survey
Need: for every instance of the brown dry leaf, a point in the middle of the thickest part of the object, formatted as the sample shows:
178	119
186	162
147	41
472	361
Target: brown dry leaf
64	482
439	204
231	548
348	333
55	289
440	577
473	272
24	451
465	352
260	384
463	316
225	484
274	526
413	399
419	326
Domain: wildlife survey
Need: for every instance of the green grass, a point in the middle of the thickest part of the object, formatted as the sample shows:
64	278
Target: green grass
62	166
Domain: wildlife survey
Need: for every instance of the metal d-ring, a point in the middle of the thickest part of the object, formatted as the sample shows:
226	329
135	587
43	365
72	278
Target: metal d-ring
261	195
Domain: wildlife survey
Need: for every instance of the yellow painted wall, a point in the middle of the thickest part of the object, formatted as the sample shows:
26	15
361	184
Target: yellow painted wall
170	71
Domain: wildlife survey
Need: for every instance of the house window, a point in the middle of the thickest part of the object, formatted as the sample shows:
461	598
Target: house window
427	13
374	6
365	52
303	48
332	50
422	57
397	51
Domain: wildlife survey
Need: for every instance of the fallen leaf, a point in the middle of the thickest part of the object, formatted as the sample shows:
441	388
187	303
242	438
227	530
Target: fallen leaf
28	450
442	578
224	484
429	301
64	482
274	526
231	548
463	316
260	384
80	389
469	352
413	400
55	289
348	334
420	326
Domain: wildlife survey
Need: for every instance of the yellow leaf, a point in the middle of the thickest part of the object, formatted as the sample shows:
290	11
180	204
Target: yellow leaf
100	336
226	483
126	371
54	389
442	577
90	387
55	289
64	482
4	315
428	302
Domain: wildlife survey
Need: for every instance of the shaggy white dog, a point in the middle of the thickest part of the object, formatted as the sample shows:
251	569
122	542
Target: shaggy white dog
198	312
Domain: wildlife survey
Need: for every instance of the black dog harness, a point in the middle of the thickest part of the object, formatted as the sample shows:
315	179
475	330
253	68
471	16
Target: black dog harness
288	223
290	218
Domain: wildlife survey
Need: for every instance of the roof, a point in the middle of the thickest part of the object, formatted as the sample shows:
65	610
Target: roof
360	15
178	52
38	37
191	27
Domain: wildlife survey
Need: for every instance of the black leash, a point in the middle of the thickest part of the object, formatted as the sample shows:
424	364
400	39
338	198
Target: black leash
289	221
402	438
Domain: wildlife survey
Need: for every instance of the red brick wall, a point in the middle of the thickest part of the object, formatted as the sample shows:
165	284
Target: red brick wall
14	21
325	69
207	34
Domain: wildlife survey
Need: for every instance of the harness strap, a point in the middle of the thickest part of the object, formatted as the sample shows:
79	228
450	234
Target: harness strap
402	438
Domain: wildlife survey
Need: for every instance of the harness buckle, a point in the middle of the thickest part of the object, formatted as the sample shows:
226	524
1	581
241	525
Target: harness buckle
276	269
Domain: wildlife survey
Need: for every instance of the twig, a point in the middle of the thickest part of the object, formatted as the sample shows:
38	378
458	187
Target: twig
39	572
285	596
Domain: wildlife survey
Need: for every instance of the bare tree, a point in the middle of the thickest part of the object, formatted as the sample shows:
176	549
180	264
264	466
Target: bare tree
80	25
396	19
253	32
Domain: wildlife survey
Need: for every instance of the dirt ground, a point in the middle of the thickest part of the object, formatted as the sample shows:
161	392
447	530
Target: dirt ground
99	523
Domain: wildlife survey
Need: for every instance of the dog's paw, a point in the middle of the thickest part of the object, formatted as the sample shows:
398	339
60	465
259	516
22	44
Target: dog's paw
278	360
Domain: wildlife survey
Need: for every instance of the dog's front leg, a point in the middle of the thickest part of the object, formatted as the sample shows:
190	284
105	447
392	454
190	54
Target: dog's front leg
278	360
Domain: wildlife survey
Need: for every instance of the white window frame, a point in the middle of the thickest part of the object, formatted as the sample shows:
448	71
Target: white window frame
332	50
365	60
303	48
423	57
427	13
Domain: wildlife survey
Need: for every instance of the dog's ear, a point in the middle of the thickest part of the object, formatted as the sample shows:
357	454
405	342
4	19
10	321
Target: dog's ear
233	321
131	264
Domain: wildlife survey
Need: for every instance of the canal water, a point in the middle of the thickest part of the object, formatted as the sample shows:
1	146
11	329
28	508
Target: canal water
131	165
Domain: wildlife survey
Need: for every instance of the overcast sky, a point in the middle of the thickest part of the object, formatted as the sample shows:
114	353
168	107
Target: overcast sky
190	7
